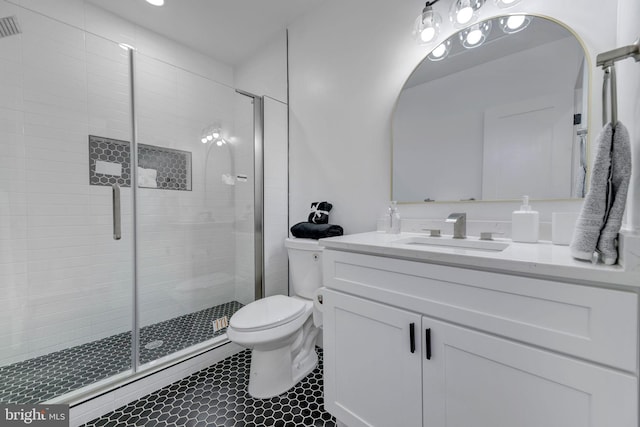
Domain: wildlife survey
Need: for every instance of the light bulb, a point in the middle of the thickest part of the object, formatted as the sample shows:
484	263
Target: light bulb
156	2
474	37
439	51
428	34
219	143
464	12
506	3
204	140
427	26
216	134
514	22
209	137
464	15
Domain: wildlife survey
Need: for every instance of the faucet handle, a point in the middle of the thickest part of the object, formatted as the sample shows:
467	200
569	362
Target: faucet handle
488	235
433	232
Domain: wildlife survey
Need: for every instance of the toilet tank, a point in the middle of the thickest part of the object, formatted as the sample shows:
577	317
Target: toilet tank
305	266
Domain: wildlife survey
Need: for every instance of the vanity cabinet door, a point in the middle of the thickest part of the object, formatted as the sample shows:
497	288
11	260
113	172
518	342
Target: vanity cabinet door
479	380
372	366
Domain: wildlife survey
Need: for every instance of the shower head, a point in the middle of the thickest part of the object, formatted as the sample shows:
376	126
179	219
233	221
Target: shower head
9	26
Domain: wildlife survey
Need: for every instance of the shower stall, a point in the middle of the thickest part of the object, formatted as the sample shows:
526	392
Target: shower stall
130	209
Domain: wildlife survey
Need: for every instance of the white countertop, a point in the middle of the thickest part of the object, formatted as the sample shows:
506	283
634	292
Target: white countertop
539	259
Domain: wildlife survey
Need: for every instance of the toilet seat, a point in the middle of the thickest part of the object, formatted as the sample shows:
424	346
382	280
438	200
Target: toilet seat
267	313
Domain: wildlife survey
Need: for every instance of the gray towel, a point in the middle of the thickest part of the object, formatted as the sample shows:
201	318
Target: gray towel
620	176
581	175
592	217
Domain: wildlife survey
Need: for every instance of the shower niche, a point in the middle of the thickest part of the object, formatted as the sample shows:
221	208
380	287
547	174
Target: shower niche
159	167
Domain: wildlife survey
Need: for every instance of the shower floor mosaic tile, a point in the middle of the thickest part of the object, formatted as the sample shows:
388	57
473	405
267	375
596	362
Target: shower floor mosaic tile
45	377
217	397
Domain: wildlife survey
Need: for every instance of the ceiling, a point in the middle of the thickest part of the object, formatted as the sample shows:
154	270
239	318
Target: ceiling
227	30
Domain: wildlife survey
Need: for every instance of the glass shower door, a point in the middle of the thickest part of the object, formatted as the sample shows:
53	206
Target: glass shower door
66	284
195	207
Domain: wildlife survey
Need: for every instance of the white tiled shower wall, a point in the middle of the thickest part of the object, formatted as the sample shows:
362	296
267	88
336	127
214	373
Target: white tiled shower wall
65	280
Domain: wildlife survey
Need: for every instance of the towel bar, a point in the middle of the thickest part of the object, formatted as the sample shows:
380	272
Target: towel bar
607	61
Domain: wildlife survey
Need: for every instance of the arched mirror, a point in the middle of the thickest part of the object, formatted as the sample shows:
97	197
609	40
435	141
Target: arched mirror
496	111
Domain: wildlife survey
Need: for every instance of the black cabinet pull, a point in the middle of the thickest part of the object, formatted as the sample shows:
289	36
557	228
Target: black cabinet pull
427	337
412	337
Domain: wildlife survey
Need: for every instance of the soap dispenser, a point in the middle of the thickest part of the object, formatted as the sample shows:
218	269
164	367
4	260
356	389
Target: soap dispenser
525	223
394	218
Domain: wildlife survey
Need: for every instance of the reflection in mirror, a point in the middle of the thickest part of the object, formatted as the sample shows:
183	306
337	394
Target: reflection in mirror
496	111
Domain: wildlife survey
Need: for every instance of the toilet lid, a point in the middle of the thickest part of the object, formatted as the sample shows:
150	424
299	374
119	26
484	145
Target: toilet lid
267	313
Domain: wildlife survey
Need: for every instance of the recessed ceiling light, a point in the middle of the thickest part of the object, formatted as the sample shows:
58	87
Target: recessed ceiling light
156	2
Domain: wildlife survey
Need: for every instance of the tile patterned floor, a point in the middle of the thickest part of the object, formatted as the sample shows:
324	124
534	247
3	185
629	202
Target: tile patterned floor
42	378
217	396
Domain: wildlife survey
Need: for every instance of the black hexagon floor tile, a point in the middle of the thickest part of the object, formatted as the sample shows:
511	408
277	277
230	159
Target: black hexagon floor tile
217	396
42	378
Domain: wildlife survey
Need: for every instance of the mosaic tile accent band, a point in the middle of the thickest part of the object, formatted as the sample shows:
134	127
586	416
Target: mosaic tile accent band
163	168
173	166
42	378
106	152
217	396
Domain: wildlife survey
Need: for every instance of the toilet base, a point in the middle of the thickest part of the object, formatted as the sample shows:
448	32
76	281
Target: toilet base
272	372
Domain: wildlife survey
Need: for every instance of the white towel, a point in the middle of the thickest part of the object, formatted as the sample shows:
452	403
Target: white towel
147	178
620	176
592	217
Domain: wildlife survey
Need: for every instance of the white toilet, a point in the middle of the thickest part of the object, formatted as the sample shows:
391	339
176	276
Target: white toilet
280	329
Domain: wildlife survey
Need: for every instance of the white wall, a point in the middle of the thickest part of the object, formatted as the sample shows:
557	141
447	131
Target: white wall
629	102
265	72
348	62
276	192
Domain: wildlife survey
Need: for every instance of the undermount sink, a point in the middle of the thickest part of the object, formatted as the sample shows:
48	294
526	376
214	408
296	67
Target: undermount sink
478	245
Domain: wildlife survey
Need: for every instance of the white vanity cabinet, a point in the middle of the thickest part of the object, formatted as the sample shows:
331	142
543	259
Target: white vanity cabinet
502	350
375	371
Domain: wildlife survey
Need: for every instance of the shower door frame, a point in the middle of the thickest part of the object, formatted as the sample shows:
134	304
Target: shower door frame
258	190
258	203
78	397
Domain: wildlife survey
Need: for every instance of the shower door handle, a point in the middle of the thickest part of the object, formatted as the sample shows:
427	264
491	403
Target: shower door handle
117	224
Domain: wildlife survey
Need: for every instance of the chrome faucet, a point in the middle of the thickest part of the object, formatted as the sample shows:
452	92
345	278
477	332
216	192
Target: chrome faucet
459	221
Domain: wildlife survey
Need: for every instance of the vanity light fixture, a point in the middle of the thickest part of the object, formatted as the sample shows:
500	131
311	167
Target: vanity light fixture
156	2
210	134
503	4
514	23
441	51
475	35
464	12
427	24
